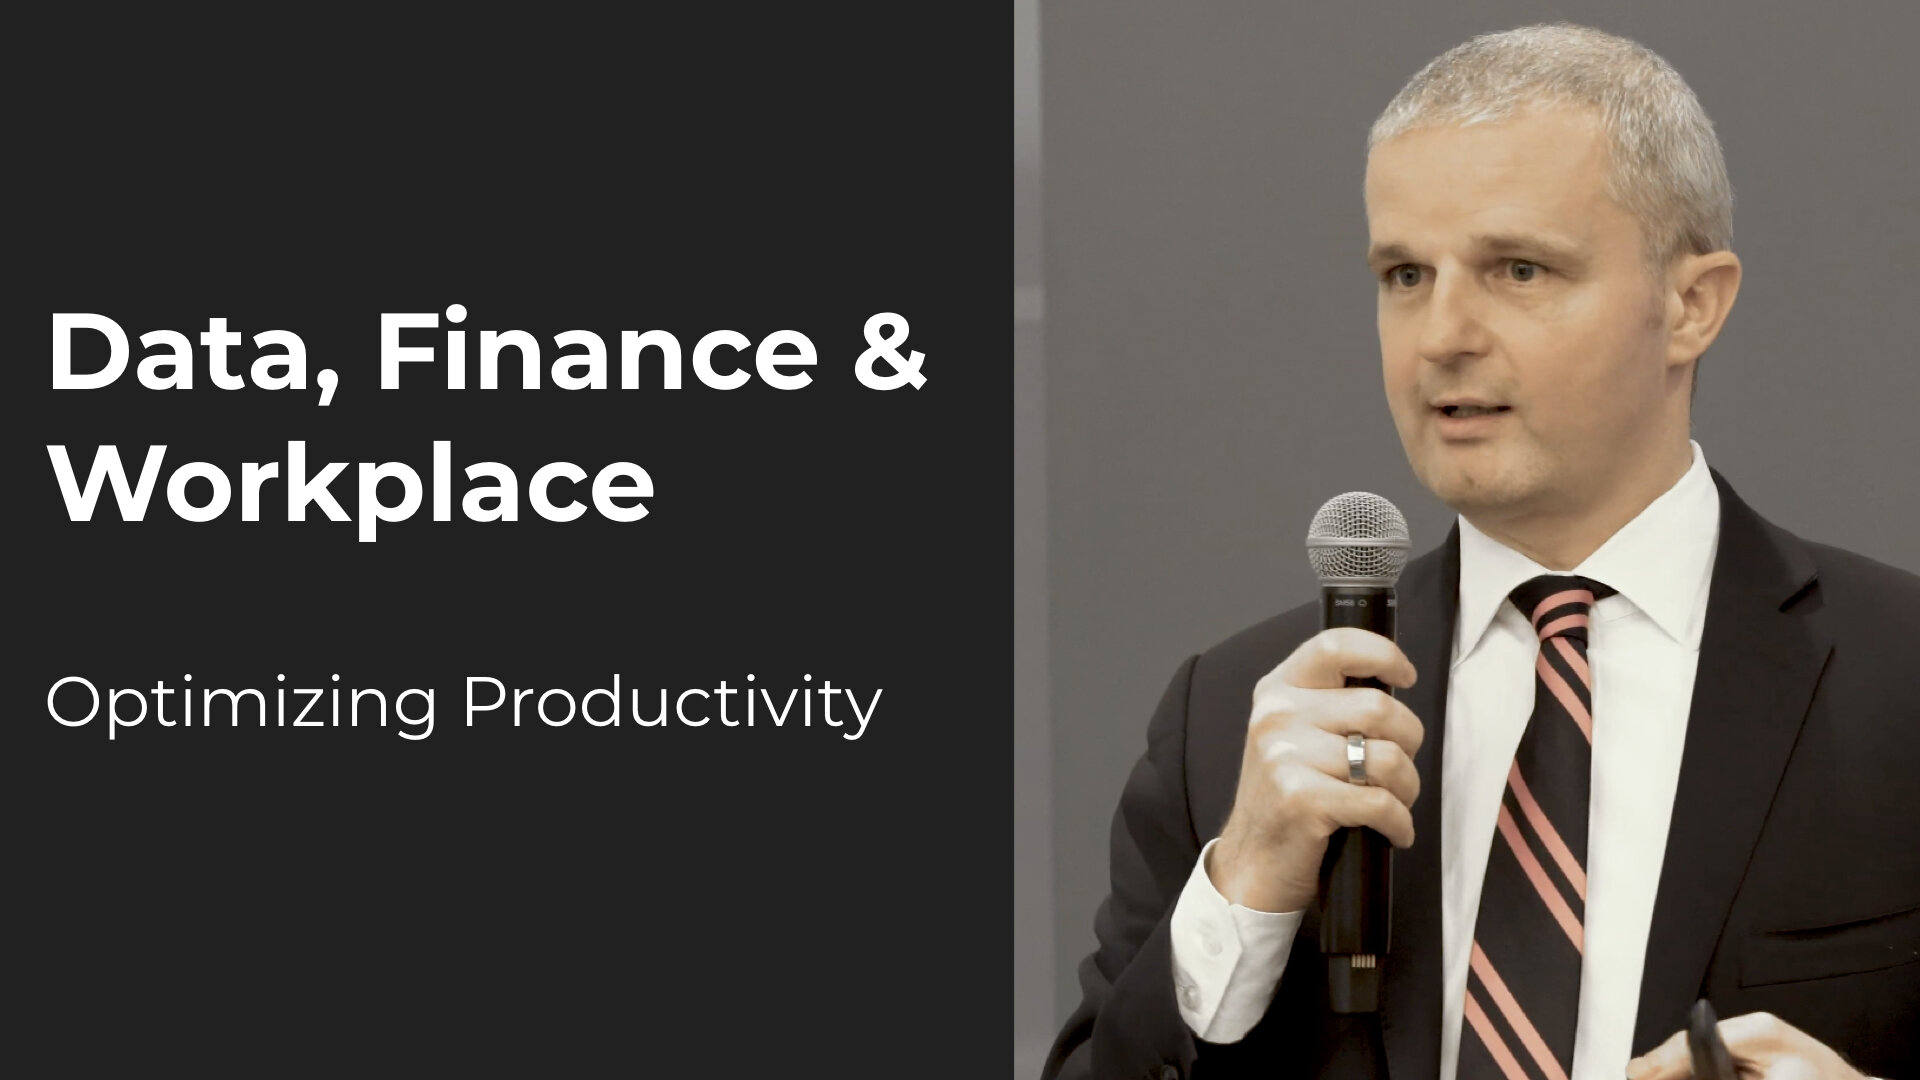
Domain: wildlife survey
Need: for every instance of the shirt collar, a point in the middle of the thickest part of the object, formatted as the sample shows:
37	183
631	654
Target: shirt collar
1661	562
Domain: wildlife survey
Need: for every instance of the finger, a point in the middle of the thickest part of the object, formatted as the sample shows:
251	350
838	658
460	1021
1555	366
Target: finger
1328	659
1668	1061
1387	765
1346	711
1357	806
1756	1035
1764	1040
1362	710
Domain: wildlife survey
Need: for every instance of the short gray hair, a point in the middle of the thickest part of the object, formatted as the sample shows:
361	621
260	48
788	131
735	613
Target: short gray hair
1666	165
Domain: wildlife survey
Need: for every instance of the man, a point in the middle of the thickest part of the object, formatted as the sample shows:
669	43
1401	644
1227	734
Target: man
1647	747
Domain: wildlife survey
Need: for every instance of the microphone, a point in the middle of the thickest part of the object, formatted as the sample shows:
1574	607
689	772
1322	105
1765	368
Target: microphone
1358	545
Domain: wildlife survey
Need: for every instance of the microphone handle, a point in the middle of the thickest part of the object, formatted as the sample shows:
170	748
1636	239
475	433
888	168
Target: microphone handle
1356	879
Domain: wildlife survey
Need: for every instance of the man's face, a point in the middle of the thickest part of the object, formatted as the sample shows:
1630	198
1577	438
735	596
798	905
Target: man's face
1510	280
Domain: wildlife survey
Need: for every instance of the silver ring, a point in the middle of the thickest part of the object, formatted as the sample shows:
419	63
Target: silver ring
1357	759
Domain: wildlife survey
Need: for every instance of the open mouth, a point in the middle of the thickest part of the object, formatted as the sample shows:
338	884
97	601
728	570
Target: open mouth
1465	411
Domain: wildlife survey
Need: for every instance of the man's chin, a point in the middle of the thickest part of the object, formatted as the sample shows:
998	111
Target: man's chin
1471	491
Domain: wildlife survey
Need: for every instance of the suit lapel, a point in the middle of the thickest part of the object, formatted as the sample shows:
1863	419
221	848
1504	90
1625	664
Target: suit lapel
1412	972
1757	669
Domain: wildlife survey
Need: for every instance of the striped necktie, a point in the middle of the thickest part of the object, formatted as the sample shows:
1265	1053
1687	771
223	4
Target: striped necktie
1523	985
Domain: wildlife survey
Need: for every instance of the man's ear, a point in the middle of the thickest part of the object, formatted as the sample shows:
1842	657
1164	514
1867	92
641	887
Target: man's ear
1700	292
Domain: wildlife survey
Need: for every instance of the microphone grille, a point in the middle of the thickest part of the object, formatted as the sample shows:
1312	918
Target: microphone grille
1358	538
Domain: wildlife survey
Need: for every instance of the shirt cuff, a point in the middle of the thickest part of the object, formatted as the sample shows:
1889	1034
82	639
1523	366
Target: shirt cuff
1227	959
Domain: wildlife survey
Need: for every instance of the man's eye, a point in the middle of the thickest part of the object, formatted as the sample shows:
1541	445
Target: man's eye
1526	271
1406	275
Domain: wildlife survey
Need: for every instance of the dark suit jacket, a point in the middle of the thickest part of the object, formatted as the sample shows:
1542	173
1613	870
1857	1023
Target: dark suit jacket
1791	881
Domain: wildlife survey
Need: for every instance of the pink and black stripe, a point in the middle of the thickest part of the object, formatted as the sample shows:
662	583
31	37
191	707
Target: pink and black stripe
1523	987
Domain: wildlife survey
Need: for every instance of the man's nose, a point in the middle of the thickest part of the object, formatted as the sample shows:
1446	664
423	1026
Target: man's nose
1452	327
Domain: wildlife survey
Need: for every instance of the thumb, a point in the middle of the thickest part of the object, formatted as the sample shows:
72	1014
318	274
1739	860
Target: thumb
1668	1061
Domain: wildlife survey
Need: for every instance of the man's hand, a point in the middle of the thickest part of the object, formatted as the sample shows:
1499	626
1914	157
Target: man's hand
1762	1045
1294	791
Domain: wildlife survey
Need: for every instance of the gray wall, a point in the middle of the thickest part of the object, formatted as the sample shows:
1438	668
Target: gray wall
1205	304
1033	899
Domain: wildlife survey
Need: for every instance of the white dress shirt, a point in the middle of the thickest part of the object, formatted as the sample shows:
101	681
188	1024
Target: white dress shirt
1644	645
